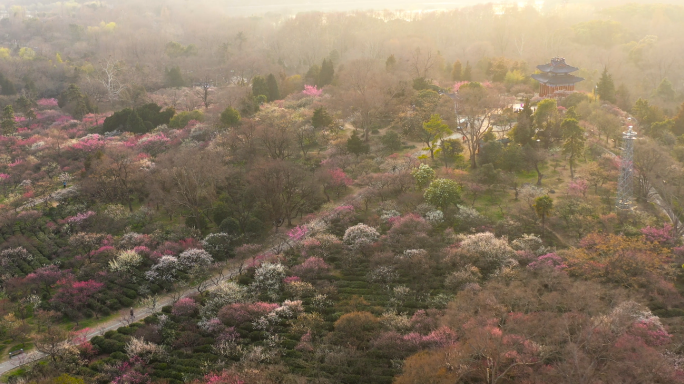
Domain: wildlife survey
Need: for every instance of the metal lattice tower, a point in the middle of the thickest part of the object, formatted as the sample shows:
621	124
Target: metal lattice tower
624	192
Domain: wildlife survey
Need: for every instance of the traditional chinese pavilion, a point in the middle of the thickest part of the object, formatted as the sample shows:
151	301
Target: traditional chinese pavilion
556	76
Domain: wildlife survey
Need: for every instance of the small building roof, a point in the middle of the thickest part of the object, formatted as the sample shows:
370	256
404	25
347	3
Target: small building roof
556	80
557	65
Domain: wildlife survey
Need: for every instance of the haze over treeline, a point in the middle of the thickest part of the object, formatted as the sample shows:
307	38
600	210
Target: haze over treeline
640	44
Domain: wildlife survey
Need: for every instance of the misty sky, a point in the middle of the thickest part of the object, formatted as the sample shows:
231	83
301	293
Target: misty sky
241	7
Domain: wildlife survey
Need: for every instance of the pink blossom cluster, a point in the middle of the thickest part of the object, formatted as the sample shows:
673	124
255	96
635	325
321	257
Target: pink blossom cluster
339	178
344	208
90	143
19	119
658	235
311	90
79	218
222	378
651	332
4	176
184	307
578	187
311	267
297	233
414	341
291	279
458	85
15	163
47	102
238	313
550	260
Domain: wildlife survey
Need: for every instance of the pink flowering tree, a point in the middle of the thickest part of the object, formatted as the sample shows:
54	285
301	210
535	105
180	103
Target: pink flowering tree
658	235
311	90
550	261
298	233
311	268
238	313
184	307
578	187
224	377
73	295
89	143
48	103
336	181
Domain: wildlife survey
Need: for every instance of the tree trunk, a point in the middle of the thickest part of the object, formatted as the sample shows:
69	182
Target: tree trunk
539	174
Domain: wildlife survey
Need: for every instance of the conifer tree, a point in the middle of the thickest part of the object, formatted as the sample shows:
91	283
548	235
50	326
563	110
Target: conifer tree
390	63
135	124
174	78
356	146
467	73
321	118
272	85
8	124
606	87
457	71
259	86
327	73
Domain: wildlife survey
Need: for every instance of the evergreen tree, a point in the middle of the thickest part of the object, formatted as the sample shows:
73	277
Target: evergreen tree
523	132
467	72
606	87
321	118
457	71
135	124
8	124
75	102
272	85
356	146
327	73
312	74
573	144
390	63
259	86
8	88
391	141
543	205
174	78
230	117
678	126
25	106
665	91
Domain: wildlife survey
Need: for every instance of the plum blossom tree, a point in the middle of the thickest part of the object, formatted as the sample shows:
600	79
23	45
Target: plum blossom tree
194	258
360	235
73	295
487	253
166	269
268	279
125	261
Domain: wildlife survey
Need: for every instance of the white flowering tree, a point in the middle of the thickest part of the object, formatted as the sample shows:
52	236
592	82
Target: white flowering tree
219	245
268	279
137	347
487	253
166	269
195	258
226	292
125	261
360	235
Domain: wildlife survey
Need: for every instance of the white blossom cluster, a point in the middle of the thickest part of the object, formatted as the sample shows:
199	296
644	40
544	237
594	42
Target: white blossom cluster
125	261
268	278
360	235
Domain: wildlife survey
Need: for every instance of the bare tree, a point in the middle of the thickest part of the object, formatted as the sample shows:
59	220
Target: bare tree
475	106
